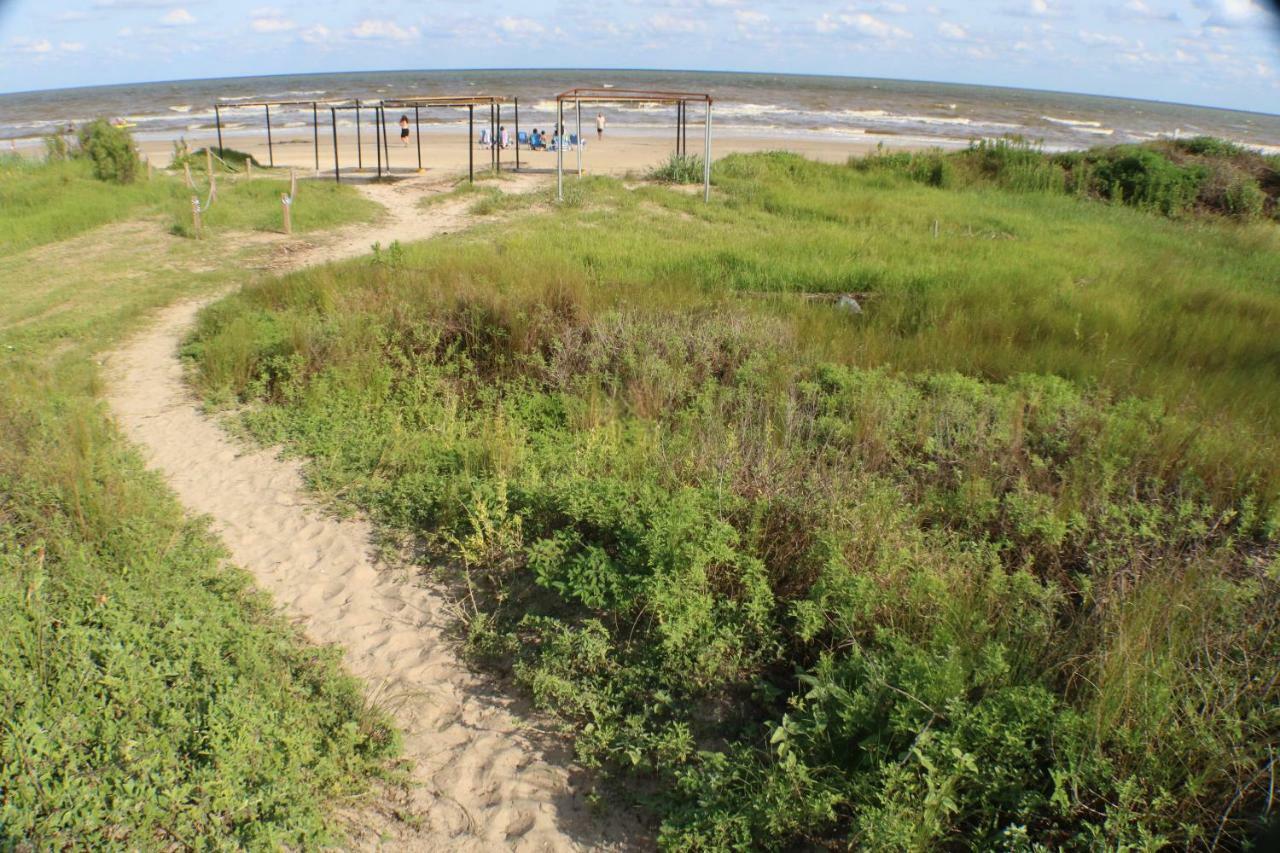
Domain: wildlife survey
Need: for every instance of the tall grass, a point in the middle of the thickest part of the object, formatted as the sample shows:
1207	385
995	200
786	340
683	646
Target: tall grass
991	564
48	202
149	697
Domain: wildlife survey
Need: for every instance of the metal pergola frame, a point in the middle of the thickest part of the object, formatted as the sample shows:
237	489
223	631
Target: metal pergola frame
381	139
493	102
590	95
266	106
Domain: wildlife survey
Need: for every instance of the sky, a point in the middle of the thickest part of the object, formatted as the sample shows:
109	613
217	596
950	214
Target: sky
1214	52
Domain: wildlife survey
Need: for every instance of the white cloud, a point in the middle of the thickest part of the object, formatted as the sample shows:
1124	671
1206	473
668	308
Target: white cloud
1033	9
71	46
70	17
1229	14
752	23
670	24
1142	11
860	23
178	18
135	4
372	28
1101	39
272	25
952	31
517	26
30	45
317	34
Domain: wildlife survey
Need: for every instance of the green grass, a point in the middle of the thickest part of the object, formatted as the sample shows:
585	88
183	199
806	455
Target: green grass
254	205
992	564
149	697
48	202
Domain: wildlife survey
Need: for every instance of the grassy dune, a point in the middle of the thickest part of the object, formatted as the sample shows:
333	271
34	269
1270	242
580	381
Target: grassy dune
149	698
991	564
47	202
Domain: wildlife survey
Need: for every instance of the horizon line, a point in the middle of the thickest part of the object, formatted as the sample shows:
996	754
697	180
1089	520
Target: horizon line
645	69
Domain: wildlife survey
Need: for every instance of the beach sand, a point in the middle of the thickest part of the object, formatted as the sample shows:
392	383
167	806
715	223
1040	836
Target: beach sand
616	154
483	774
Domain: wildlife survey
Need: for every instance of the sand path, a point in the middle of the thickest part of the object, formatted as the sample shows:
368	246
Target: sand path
484	779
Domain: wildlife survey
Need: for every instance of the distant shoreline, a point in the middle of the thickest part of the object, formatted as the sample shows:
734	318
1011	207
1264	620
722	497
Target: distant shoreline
637	69
781	107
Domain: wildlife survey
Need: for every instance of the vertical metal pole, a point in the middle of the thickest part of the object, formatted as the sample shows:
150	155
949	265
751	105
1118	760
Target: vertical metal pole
217	120
578	105
679	111
333	117
684	127
471	143
706	161
359	146
493	137
315	131
377	142
498	148
386	145
560	149
417	135
517	134
271	157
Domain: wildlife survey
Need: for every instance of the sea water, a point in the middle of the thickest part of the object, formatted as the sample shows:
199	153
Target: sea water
767	105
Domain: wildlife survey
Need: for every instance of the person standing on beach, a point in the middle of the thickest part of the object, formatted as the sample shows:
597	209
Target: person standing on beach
599	126
404	131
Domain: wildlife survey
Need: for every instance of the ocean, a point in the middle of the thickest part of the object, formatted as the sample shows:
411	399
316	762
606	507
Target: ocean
770	105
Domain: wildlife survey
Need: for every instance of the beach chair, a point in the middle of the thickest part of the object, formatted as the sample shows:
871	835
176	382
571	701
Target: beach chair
573	141
484	137
522	138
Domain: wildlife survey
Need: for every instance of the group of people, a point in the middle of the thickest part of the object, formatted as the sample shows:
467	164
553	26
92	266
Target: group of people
538	139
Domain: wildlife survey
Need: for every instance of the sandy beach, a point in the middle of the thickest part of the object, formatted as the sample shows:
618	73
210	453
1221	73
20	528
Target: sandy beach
618	153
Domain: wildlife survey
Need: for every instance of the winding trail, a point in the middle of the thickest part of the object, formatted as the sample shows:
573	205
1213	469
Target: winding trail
484	780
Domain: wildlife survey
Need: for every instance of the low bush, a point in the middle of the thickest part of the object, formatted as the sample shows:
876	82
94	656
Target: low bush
110	149
1169	177
807	600
679	169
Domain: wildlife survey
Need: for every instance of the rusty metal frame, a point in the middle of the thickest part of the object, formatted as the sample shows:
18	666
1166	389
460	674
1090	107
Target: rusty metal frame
599	95
381	141
266	106
492	102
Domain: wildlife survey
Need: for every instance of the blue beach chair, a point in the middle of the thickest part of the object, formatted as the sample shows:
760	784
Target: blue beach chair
522	138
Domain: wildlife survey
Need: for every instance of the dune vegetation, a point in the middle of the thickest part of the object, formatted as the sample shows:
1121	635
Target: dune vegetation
983	555
150	698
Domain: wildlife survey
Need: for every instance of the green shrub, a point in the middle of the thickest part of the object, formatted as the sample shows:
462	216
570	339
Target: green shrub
58	148
110	149
1143	178
787	566
679	169
1209	146
1015	164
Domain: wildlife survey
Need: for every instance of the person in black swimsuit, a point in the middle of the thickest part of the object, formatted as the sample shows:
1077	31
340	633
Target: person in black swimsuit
404	130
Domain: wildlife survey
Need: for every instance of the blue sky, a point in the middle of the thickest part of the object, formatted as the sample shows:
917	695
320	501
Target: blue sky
1216	52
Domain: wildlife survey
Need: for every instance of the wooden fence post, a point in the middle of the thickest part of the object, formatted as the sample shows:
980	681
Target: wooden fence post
293	184
197	224
186	173
285	204
208	161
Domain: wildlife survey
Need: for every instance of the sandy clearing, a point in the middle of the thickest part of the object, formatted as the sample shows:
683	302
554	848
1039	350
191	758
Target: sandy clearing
485	779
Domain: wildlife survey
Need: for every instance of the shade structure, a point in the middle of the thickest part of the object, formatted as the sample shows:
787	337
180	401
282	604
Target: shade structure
266	106
492	103
600	95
